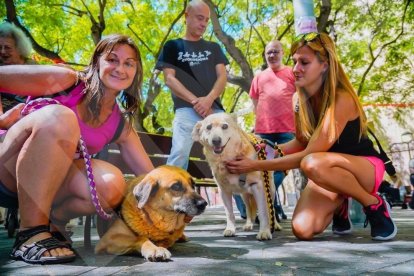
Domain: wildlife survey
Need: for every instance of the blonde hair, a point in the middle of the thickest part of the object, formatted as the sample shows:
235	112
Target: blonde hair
334	79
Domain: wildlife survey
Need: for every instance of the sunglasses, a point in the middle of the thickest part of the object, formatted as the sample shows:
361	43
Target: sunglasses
309	37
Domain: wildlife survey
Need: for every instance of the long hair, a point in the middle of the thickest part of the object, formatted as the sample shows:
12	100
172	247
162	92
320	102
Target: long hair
334	79
130	97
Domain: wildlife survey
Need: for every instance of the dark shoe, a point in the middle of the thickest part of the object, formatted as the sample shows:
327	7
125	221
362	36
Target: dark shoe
411	203
341	222
279	211
32	253
378	216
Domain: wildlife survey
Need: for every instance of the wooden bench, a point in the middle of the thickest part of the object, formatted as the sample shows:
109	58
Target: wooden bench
158	148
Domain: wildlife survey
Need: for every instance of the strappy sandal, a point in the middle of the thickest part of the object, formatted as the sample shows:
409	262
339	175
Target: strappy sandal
63	237
59	231
32	253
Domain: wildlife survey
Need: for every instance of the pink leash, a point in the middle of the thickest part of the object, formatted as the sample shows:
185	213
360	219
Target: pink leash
33	105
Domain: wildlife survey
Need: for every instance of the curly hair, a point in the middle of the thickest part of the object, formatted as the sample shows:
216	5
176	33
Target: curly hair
23	44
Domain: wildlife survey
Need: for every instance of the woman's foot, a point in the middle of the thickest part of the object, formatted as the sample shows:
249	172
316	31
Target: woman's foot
37	246
59	230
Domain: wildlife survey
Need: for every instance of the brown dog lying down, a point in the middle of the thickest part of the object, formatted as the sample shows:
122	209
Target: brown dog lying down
154	214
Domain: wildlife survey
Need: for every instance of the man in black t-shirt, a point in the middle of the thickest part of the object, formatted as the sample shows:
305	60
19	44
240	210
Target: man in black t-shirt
194	70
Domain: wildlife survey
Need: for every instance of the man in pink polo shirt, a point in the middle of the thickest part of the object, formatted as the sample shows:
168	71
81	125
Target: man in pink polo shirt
271	92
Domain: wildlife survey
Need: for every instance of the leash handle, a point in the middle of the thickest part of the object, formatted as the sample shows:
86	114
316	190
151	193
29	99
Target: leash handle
33	105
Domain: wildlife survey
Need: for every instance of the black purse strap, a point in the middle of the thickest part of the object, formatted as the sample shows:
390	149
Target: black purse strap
382	152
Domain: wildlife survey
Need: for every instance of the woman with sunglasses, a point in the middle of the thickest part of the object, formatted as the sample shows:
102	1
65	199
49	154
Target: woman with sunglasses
331	147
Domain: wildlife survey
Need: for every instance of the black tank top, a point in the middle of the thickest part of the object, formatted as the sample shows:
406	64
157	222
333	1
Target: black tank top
350	143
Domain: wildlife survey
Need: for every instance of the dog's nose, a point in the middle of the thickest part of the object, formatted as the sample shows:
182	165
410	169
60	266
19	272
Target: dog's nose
216	141
200	203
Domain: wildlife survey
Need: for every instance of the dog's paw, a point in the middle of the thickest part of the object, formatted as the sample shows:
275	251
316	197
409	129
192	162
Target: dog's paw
229	232
157	254
248	227
264	235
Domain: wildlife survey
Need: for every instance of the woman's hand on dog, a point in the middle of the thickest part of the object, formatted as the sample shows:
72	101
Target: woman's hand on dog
241	165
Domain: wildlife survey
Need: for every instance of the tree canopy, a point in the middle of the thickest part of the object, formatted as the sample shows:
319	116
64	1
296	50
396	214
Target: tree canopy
375	41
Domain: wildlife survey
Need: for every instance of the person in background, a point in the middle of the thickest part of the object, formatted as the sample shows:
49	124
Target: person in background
331	145
42	171
271	92
15	48
194	70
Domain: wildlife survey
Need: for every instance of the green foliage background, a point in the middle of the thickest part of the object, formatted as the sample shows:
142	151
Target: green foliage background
375	41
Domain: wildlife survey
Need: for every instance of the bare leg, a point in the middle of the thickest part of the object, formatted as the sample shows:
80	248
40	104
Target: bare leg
314	211
36	154
331	175
331	170
74	199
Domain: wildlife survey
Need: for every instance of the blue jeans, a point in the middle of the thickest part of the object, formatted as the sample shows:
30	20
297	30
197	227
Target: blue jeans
184	121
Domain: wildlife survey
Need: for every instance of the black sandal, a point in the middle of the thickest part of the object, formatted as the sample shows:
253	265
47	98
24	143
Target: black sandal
32	253
63	237
60	232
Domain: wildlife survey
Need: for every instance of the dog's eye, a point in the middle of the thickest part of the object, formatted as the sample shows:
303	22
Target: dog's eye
209	127
225	126
178	187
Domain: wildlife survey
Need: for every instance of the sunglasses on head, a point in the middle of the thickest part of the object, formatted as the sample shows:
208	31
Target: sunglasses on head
308	37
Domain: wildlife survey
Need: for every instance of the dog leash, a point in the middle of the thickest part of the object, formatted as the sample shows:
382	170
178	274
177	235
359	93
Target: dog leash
261	154
33	105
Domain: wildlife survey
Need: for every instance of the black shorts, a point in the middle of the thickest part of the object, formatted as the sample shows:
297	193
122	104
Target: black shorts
8	199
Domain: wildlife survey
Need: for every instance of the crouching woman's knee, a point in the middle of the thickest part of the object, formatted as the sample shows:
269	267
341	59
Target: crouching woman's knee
58	122
313	165
301	229
306	225
113	186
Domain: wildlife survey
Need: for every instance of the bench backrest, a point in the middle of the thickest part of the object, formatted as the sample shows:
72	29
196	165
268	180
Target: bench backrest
158	148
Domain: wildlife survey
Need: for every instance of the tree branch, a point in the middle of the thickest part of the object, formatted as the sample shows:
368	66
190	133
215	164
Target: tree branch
385	45
12	17
230	45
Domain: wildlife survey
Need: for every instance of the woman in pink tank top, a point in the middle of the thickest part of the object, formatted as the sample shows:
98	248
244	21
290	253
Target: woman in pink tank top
38	152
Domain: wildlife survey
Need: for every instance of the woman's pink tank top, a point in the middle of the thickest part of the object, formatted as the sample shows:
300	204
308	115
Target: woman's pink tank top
95	137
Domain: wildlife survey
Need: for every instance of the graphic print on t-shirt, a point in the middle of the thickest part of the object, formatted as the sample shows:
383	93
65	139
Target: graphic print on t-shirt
193	58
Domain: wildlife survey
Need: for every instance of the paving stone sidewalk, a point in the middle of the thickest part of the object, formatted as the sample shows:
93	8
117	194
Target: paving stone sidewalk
209	253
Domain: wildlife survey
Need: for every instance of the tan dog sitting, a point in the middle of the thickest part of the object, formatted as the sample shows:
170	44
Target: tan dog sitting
154	214
223	140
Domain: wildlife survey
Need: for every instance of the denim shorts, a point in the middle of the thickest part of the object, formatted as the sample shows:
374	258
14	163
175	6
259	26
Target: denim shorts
8	199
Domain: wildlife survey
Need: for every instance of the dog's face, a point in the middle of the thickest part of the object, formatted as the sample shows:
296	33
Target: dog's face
215	131
169	189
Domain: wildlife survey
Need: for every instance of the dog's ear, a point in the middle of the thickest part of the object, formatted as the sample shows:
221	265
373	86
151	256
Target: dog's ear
196	132
234	116
144	190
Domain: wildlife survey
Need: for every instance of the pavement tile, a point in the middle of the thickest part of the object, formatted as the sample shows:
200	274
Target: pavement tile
209	253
